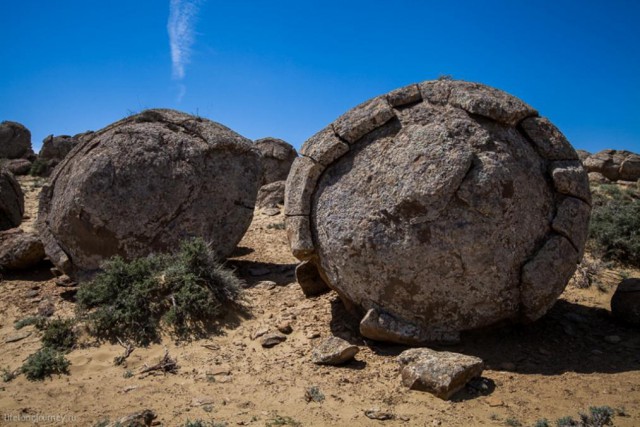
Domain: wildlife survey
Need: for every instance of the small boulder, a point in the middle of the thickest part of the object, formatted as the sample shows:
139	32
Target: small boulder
272	339
625	302
598	178
18	166
334	351
19	250
277	157
11	201
54	150
309	279
440	373
15	141
57	147
271	195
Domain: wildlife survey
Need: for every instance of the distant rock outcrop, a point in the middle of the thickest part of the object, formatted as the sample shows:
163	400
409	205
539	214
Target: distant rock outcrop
15	141
277	157
440	207
271	195
18	166
11	201
614	165
145	183
54	149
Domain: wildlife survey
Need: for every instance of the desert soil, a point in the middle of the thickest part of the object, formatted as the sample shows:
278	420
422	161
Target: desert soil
560	365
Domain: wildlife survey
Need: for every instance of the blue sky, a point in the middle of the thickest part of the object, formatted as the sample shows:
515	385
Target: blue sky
288	68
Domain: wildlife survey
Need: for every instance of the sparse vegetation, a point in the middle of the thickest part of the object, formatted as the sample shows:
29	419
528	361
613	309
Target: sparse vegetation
186	291
615	224
543	422
38	321
44	363
8	375
313	394
279	420
598	416
512	422
58	334
200	423
38	167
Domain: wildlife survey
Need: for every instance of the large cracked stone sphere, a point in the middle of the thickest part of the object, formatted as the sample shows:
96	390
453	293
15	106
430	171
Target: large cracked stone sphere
440	207
143	184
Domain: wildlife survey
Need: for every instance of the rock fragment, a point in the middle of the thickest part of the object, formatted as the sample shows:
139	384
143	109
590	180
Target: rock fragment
439	373
333	351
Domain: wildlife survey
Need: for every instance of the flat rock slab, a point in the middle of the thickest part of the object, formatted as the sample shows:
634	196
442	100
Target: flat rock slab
17	337
334	351
440	373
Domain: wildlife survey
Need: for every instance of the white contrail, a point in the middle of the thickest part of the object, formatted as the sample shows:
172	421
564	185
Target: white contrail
182	14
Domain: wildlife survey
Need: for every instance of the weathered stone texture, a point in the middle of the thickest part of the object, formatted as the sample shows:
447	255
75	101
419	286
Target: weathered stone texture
11	201
440	373
145	183
428	218
19	250
277	157
15	141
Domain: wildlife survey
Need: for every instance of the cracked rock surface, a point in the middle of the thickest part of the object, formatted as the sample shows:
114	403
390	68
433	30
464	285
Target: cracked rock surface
443	206
145	183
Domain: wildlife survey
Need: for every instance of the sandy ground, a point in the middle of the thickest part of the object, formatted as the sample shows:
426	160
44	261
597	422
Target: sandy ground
558	366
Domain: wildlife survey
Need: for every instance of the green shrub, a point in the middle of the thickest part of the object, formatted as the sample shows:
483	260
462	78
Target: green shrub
279	420
38	168
38	321
598	416
186	290
615	230
314	394
59	334
44	363
615	224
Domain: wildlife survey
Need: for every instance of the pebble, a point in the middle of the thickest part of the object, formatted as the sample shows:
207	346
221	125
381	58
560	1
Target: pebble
377	414
266	284
271	340
260	331
271	211
285	327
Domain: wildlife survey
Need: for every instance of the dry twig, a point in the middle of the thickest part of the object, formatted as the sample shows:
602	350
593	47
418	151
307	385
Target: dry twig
166	364
128	349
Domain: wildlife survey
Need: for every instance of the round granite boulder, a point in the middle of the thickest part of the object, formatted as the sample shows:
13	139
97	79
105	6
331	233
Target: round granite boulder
15	141
440	207
11	201
277	157
145	183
